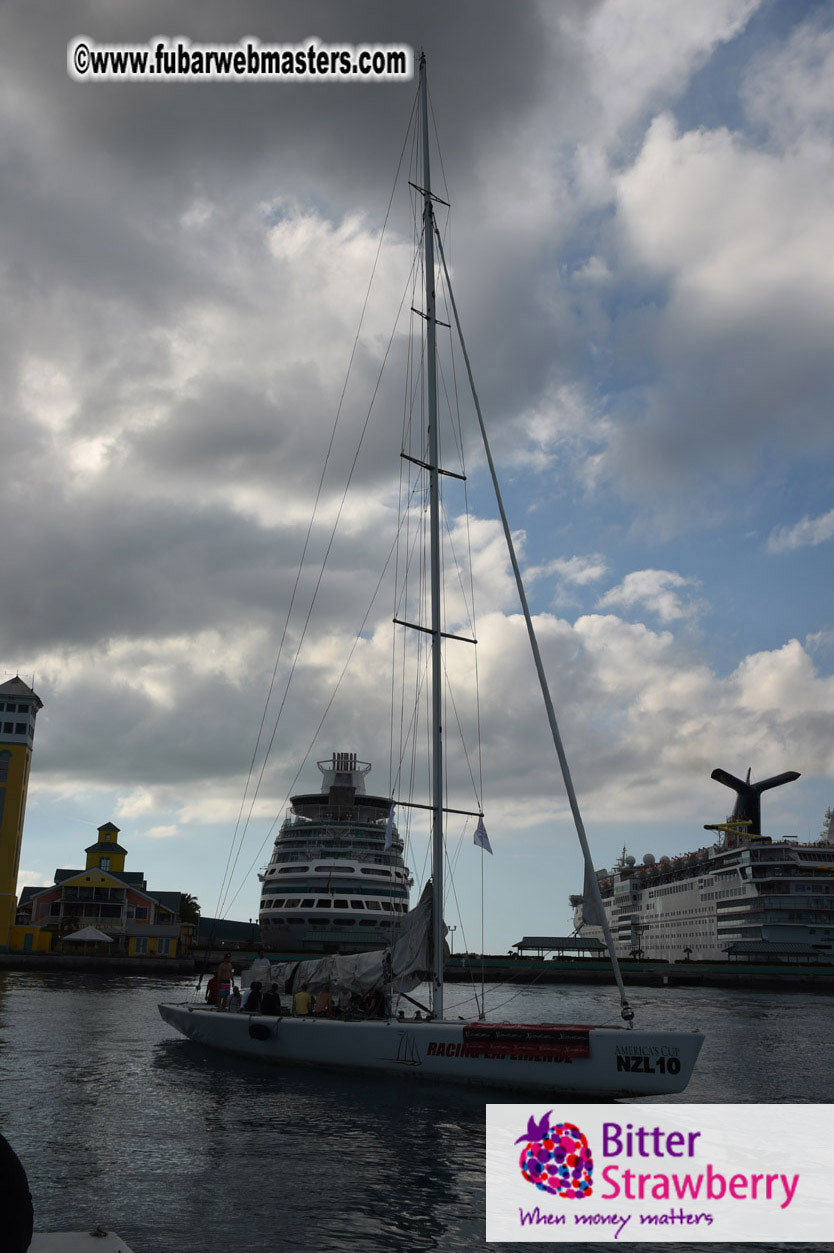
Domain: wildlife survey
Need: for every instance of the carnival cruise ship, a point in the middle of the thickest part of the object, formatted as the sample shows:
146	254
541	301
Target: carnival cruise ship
332	885
745	887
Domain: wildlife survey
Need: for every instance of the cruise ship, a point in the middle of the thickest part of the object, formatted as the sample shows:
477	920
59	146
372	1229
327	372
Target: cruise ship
331	884
744	887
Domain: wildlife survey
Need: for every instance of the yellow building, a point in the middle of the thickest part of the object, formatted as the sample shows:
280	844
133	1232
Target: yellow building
19	707
136	921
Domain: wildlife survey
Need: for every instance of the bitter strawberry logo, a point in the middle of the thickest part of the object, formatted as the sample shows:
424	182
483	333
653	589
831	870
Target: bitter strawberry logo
556	1158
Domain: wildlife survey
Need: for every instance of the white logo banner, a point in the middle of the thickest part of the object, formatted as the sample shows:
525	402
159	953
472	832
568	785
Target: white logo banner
567	1173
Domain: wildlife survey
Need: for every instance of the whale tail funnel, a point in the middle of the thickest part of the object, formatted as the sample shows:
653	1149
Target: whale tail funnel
748	806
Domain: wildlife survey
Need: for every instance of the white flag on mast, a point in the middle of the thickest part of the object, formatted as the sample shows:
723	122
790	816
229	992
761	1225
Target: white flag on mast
481	837
389	830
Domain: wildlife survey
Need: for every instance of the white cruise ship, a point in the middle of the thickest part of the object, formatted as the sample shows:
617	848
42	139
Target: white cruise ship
745	887
331	884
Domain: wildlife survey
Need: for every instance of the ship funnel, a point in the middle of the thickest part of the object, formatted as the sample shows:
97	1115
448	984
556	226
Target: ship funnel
748	806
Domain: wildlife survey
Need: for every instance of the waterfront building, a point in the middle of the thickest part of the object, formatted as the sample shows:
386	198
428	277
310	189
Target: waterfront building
139	921
19	706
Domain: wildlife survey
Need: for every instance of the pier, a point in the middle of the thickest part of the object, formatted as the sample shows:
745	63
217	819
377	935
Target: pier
784	976
636	972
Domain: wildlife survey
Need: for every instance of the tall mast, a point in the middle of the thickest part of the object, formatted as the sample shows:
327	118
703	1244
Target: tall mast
434	527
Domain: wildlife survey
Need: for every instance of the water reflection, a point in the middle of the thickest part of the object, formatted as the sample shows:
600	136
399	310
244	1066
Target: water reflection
121	1121
347	1156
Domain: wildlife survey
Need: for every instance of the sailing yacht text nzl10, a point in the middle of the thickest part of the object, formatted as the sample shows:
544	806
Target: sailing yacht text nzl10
557	1058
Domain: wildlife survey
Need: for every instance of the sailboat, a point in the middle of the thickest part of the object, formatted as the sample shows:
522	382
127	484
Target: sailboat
557	1058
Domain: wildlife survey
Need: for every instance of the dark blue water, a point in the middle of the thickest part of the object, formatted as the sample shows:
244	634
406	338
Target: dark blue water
122	1123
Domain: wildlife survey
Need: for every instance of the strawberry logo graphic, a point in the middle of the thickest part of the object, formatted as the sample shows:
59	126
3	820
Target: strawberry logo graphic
556	1158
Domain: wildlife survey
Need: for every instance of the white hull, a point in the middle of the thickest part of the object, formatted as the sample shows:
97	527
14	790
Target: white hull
597	1061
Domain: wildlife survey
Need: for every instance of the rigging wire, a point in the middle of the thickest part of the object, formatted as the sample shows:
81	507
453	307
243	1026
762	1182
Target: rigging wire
318	584
416	390
626	1011
317	731
227	873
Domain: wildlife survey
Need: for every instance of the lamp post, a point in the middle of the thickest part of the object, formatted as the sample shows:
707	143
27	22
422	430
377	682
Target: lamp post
452	931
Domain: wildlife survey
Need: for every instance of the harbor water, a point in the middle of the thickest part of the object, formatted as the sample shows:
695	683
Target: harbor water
122	1123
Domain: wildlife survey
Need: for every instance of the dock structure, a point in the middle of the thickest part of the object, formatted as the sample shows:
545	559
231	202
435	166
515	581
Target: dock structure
560	945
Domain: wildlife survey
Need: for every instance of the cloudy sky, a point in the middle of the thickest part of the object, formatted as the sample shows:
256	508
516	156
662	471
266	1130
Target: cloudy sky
641	242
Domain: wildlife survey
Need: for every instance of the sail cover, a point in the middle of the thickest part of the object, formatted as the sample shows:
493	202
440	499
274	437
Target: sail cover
591	914
407	963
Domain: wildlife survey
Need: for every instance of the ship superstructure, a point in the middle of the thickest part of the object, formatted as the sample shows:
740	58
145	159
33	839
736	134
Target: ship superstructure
331	884
745	887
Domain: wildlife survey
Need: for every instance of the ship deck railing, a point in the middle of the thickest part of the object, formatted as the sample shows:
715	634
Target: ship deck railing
372	938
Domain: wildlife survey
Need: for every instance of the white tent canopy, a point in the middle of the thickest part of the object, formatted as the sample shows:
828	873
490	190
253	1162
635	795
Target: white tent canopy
87	934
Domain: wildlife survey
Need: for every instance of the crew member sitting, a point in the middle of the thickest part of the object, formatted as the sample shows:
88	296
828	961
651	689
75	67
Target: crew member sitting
253	1000
271	1001
302	1002
323	1007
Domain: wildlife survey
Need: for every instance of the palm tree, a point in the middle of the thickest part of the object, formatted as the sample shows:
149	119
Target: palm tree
189	909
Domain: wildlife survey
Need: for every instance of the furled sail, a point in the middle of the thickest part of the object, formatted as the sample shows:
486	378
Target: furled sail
591	913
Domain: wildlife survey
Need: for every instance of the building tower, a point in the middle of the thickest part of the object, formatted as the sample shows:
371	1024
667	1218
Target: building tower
107	853
19	707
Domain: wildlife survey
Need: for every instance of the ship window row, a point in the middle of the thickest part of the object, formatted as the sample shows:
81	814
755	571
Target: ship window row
341	869
722	895
784	889
379	856
676	887
775	900
343	855
329	848
395	891
718	874
310	903
336	923
317	837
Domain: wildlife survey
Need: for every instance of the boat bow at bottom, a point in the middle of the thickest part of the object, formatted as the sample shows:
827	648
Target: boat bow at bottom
588	1061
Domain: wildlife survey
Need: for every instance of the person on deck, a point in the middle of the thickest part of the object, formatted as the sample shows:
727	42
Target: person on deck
271	1001
211	990
234	999
323	1007
224	981
373	1003
253	1000
302	1002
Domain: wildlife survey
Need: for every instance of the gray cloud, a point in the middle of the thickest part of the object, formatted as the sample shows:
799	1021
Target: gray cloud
183	273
